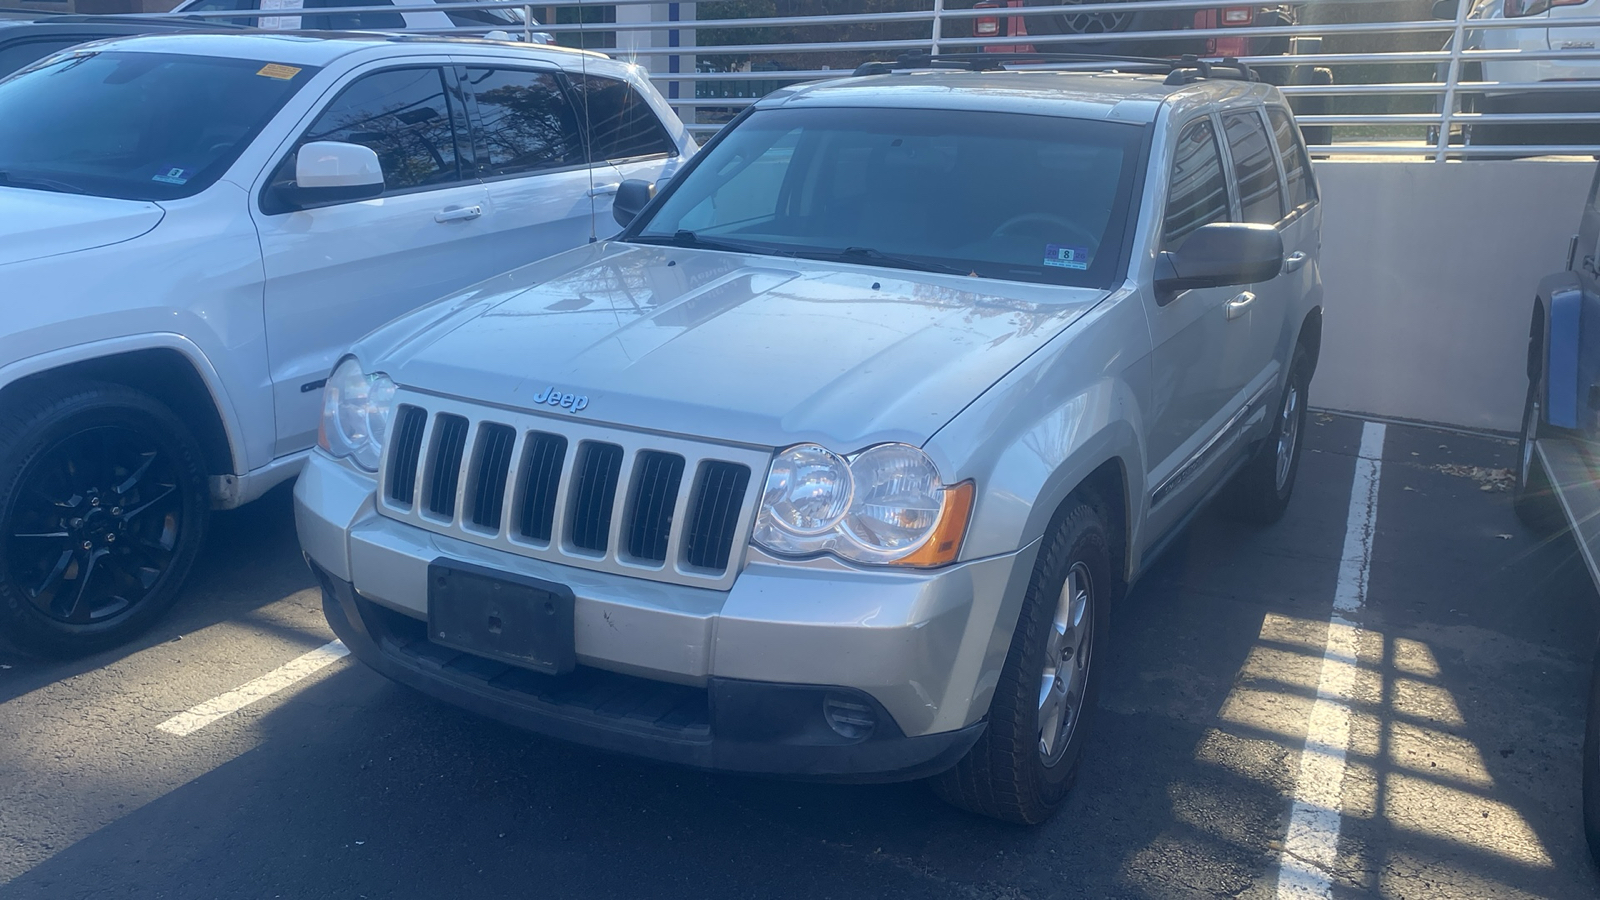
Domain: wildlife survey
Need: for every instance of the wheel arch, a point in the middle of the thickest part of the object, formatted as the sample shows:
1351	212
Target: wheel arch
173	371
1309	338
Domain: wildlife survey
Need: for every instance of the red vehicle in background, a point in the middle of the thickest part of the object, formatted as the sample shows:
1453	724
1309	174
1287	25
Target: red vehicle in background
1125	32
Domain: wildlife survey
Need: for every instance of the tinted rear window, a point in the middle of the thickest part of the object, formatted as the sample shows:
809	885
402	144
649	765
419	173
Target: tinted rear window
622	124
1292	151
1254	167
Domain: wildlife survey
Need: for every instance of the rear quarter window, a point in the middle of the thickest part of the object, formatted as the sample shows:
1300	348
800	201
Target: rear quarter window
620	123
1292	151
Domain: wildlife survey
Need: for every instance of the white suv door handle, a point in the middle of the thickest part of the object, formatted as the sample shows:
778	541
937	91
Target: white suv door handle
1294	261
600	190
459	214
1240	305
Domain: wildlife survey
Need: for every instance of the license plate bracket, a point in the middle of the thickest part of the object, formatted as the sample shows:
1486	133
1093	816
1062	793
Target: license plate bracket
512	618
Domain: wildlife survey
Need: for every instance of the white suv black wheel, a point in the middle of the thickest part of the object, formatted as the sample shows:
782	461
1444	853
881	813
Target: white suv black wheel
102	506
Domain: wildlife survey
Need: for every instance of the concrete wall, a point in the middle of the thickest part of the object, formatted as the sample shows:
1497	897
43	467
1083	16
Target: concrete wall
1430	273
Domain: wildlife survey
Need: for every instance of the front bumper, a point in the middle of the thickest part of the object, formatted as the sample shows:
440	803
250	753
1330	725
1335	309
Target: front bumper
745	671
730	725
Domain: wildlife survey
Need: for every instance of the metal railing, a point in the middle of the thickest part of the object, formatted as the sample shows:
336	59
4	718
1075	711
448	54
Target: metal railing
1350	102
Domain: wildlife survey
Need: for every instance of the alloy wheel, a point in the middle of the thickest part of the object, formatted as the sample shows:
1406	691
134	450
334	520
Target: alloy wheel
1066	664
1288	434
94	525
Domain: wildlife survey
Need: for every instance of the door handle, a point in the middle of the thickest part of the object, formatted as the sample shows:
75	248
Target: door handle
600	190
1294	261
458	214
1240	305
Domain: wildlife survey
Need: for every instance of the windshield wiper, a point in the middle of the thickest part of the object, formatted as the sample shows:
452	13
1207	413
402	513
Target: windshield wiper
685	238
876	257
43	184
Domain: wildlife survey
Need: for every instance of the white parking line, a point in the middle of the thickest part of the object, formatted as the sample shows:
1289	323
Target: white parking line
187	723
1305	869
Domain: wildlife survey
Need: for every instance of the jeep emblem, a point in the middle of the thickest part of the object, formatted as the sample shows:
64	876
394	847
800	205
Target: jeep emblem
566	401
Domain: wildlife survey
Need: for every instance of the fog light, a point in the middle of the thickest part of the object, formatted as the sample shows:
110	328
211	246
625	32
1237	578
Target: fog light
849	717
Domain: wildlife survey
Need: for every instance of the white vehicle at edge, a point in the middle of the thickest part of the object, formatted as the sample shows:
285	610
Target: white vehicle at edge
1539	32
178	280
380	15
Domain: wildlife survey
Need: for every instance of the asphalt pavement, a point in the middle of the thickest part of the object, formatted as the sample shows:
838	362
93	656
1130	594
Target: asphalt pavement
1460	721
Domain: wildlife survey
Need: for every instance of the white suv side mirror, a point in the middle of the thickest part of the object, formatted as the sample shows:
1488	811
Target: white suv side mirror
336	172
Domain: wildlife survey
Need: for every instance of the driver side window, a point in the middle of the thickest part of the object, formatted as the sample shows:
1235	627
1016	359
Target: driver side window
404	116
1197	192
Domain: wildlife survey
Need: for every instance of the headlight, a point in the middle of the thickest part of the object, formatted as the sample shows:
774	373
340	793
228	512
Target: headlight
885	505
356	412
808	492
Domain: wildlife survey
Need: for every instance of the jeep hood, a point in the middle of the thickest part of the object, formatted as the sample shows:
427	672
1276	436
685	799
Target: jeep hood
36	224
749	349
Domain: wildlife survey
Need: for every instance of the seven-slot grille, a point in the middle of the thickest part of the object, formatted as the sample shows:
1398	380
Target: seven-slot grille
646	506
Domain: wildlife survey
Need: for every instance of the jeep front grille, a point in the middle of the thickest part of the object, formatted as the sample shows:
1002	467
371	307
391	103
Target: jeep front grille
409	425
571	492
596	492
449	441
541	479
655	493
722	488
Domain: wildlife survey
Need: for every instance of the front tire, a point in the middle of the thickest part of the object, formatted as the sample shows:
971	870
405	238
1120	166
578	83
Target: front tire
103	506
1027	759
1532	498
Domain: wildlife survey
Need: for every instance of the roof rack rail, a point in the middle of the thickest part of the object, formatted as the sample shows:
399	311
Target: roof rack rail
1192	68
1185	70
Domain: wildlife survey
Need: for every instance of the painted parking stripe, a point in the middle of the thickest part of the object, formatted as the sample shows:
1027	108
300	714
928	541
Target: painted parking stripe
1312	845
186	723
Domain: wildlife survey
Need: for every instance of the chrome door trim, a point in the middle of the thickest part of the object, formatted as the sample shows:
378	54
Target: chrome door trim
1191	466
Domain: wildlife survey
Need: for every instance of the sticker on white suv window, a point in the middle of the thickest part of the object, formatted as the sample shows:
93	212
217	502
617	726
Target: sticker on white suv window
1063	257
172	175
279	71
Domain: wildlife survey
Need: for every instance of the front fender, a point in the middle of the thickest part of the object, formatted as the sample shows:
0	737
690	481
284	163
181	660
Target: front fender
1030	440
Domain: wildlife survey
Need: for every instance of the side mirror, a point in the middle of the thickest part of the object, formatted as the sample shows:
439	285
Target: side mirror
632	195
335	172
1219	254
1446	9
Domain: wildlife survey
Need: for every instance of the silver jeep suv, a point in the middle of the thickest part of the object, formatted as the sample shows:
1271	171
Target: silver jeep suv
835	461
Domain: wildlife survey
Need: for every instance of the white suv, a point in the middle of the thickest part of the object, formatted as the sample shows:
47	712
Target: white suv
384	15
179	278
1541	32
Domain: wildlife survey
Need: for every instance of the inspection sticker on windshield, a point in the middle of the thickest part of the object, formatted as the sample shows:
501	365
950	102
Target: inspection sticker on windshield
280	72
173	175
1066	257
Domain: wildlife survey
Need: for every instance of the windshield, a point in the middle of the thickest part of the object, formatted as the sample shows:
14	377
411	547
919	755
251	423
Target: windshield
139	126
999	195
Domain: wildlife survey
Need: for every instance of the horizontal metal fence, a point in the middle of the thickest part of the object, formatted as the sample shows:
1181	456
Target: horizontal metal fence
1431	89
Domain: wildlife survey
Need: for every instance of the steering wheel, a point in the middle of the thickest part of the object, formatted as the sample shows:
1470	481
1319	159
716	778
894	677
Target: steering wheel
1090	240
